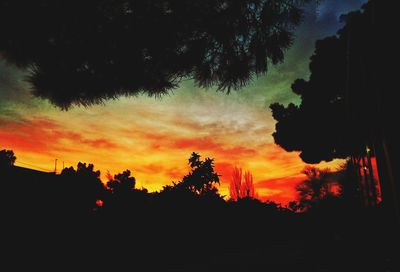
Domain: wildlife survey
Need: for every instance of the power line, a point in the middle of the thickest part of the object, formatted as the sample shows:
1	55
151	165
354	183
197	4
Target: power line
41	168
35	166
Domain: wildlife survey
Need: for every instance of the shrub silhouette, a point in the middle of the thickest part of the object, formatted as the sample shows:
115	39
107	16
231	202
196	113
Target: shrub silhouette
84	186
7	158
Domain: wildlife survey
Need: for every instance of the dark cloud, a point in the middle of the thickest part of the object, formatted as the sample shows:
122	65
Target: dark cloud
334	9
323	20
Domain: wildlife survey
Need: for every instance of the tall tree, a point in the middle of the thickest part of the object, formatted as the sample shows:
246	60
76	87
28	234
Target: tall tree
83	52
235	183
316	187
202	178
345	110
241	189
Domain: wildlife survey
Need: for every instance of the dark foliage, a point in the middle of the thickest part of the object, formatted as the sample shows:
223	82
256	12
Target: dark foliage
338	115
323	187
122	182
315	188
348	104
7	158
83	52
202	178
51	221
84	186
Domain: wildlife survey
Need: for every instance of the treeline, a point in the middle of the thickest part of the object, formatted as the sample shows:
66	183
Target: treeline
83	192
73	219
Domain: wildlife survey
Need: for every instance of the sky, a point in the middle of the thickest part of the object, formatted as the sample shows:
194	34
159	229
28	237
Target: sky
154	137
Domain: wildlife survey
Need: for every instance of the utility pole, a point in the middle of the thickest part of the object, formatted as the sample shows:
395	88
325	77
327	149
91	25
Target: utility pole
55	167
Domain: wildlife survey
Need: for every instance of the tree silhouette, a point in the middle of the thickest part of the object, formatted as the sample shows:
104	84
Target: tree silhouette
84	186
235	184
241	189
344	111
7	158
248	185
315	188
202	178
200	181
331	135
338	93
351	189
85	52
121	194
121	183
294	206
59	212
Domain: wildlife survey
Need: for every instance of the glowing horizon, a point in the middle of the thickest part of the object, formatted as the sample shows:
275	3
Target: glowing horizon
154	137
159	139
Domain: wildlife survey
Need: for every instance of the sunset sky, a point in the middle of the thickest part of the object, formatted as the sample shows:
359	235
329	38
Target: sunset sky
154	137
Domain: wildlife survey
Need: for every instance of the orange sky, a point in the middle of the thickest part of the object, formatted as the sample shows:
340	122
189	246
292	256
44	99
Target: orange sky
154	138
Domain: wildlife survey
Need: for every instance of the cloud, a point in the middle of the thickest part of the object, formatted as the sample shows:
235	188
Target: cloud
154	137
45	136
210	145
99	143
12	83
281	190
175	173
334	9
151	168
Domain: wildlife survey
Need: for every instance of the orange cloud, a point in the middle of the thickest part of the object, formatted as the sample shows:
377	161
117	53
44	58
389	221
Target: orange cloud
99	143
281	190
208	144
155	140
45	135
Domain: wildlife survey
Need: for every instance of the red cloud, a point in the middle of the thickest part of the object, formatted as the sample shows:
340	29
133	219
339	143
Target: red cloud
225	170
44	136
150	168
283	189
175	173
99	143
208	144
